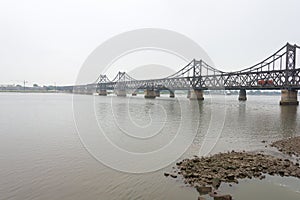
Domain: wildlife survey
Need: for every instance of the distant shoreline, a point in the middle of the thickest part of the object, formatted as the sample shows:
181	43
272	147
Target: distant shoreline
32	91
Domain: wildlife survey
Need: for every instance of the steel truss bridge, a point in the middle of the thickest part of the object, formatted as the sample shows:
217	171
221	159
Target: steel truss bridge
278	71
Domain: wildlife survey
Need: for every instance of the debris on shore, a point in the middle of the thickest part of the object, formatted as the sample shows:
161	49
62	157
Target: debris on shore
290	146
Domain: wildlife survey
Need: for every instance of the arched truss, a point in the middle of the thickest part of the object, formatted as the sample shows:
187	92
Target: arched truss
278	71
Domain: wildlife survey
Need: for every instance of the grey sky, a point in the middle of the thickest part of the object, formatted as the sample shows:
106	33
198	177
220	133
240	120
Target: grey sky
47	41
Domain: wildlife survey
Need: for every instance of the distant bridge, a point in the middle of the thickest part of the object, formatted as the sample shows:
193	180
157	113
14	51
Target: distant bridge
279	71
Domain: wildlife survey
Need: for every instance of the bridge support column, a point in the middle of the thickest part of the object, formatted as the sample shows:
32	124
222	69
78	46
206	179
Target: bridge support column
196	95
172	94
150	94
121	93
289	97
157	92
102	93
188	94
242	95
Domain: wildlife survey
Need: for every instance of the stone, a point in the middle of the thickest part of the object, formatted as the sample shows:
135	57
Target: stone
216	182
262	177
179	163
203	189
230	177
281	172
173	175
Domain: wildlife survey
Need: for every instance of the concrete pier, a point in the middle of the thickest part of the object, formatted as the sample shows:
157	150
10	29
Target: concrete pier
189	94
172	94
289	97
157	92
196	95
242	95
120	93
102	93
150	94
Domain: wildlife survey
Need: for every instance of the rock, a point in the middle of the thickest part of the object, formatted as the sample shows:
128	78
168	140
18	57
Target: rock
215	170
179	163
286	164
281	173
166	174
256	174
209	177
223	197
216	182
230	177
203	189
173	175
262	177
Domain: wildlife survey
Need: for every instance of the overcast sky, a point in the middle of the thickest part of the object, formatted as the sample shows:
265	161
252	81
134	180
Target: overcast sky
48	41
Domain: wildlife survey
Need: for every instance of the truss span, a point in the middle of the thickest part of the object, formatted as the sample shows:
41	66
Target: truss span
278	71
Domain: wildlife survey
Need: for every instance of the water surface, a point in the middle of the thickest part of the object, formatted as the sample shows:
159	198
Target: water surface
42	157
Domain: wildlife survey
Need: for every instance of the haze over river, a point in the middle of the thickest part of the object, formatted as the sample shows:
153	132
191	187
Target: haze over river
42	156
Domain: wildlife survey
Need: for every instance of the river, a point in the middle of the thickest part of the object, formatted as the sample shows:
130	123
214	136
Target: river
42	156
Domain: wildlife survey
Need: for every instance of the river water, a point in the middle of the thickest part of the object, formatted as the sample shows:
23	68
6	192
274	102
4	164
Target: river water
42	156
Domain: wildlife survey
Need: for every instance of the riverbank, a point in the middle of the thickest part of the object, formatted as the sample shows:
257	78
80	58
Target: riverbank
206	174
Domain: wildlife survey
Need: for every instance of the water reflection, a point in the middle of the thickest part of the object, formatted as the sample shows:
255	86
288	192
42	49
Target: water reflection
288	120
242	112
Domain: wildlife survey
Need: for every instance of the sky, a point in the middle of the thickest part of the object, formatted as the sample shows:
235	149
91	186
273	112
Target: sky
46	42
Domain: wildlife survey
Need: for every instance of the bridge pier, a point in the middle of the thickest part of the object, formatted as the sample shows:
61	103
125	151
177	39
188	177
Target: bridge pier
196	95
289	97
150	94
172	94
188	94
157	92
242	95
121	93
102	93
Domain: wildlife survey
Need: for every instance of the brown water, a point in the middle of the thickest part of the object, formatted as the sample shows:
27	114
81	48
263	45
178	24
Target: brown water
42	157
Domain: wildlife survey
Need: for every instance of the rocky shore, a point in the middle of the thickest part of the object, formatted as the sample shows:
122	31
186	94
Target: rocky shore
290	146
207	173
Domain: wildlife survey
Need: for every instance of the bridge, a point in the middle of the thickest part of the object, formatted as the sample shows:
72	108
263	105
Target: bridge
277	72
